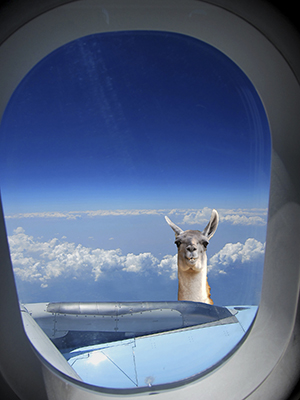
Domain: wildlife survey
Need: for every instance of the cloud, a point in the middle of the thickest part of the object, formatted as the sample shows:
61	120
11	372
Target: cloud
169	265
60	271
239	216
48	214
105	213
245	216
233	216
197	216
89	214
234	255
38	261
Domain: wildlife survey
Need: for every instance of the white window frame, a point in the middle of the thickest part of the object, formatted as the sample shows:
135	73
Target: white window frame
267	365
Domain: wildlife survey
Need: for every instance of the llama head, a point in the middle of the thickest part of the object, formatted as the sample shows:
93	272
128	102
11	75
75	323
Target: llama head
192	244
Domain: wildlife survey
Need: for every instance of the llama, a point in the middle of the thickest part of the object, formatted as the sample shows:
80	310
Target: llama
192	260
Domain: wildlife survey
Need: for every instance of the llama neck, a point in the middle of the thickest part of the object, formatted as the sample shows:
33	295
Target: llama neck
193	286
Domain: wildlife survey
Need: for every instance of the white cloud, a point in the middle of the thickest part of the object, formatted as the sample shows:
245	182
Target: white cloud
139	263
233	254
197	216
43	262
245	216
169	265
37	261
104	213
48	214
194	216
90	214
234	216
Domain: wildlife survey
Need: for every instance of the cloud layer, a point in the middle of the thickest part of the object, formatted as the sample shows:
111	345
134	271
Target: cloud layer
58	270
37	261
232	216
44	262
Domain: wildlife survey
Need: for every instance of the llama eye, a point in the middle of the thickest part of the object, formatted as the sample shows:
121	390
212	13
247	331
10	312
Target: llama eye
178	243
205	244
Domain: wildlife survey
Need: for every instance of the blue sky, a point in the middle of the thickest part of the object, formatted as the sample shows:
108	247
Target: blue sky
108	134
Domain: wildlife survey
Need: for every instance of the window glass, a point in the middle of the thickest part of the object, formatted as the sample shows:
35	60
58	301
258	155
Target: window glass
106	136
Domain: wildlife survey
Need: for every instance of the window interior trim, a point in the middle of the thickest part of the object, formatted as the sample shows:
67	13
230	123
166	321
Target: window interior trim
278	88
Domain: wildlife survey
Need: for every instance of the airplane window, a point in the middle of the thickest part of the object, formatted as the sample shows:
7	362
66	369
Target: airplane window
100	141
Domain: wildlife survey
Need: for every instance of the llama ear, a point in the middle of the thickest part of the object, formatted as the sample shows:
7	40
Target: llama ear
211	227
175	228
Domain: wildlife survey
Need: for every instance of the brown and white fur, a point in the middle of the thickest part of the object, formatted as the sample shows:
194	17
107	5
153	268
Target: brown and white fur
192	260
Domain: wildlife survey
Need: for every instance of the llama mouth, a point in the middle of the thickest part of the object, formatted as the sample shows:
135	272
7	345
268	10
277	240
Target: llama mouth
192	260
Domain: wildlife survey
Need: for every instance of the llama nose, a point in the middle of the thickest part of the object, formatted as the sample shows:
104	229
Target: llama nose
191	248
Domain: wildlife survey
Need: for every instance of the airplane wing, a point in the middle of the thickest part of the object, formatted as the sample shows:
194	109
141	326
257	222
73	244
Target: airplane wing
141	344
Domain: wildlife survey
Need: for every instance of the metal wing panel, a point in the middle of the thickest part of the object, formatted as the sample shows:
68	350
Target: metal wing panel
161	358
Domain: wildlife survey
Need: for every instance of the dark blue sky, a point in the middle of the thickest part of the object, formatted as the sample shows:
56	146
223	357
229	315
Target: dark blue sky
132	120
